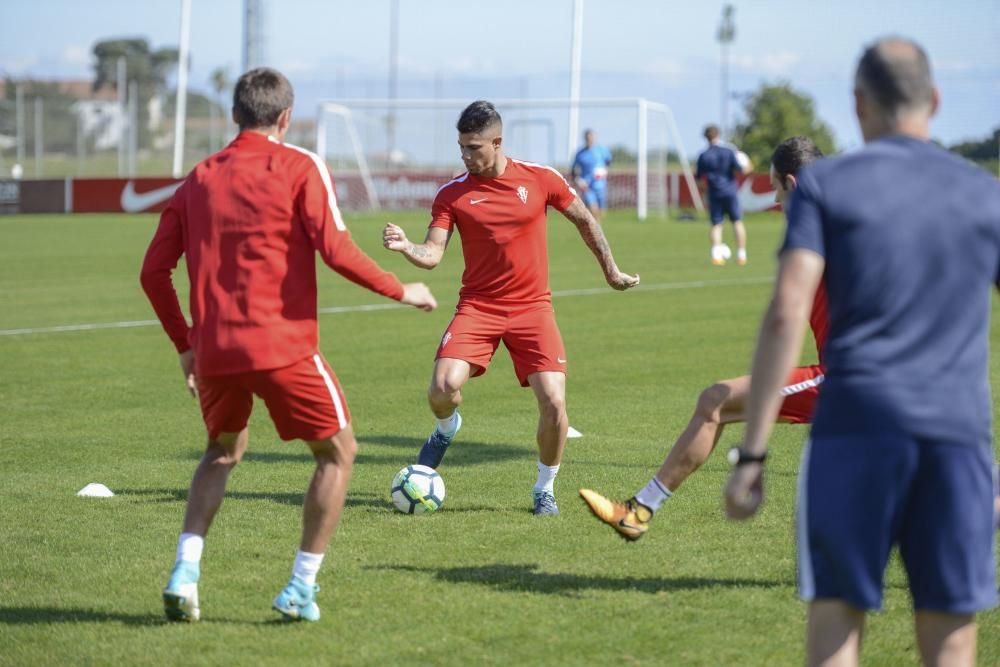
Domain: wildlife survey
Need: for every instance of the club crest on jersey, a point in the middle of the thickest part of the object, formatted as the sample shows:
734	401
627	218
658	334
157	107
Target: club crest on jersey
522	193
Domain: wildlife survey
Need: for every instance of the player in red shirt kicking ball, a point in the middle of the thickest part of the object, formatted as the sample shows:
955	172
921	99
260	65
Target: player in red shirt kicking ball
249	221
725	402
498	207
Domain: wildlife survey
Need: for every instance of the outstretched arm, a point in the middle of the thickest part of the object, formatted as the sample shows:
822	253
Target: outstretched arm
592	234
778	345
426	255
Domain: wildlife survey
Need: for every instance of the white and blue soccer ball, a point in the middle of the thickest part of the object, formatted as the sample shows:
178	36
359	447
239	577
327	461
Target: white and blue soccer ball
417	489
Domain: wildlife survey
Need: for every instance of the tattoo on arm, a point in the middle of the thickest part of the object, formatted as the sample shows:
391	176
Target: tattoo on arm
419	251
592	234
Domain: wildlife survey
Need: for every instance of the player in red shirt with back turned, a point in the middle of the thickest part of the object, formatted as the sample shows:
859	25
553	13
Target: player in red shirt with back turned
249	221
498	207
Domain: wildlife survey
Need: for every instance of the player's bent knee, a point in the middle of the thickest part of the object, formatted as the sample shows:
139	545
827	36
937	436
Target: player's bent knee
552	408
340	449
711	400
226	448
442	390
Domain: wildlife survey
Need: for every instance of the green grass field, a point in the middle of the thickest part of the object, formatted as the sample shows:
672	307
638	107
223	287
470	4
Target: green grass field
481	581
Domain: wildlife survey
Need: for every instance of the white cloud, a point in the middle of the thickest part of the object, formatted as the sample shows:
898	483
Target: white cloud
668	69
18	65
76	55
293	67
778	63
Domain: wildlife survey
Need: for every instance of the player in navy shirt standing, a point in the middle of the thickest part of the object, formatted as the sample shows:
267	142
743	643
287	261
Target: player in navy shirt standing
901	446
718	166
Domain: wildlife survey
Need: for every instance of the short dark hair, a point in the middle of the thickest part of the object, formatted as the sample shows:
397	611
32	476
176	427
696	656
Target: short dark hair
477	117
896	73
711	132
792	154
260	96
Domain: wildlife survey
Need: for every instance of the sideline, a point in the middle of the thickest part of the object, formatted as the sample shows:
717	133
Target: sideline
336	310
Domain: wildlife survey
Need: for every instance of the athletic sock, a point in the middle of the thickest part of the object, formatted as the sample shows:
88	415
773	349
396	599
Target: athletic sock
449	425
653	495
741	253
189	547
546	478
306	566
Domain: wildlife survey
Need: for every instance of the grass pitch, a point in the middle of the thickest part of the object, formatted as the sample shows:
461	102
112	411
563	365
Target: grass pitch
479	582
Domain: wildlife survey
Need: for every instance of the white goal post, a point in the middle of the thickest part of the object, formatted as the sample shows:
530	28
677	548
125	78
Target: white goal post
394	153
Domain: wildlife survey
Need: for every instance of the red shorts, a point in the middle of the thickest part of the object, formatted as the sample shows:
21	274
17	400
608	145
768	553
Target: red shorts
304	399
530	334
800	392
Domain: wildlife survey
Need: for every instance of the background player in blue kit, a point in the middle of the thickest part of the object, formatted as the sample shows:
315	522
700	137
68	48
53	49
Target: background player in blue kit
590	172
719	167
908	236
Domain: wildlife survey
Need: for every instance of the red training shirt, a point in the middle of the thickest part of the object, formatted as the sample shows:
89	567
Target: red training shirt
248	221
819	321
502	224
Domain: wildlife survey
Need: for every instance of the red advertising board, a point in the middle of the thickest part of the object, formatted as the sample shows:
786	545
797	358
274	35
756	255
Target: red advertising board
122	195
394	190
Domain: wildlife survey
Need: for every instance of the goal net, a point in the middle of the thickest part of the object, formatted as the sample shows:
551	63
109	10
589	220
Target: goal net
396	153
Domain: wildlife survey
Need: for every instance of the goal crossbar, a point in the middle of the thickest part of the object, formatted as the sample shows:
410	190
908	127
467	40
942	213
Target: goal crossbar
643	107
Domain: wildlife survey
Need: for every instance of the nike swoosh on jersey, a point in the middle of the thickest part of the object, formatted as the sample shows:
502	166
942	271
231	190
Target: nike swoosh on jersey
477	201
134	202
754	201
560	360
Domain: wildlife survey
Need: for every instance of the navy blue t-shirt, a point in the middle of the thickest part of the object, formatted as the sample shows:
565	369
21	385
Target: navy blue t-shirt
911	238
718	164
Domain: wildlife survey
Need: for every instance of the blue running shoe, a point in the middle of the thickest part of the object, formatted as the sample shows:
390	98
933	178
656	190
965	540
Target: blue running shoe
433	450
180	597
298	601
545	504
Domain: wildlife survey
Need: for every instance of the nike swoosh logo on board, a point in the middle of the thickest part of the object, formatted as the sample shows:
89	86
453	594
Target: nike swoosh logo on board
134	202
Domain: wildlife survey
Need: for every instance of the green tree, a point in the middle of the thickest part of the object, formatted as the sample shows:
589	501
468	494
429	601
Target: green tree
58	124
775	112
983	150
148	68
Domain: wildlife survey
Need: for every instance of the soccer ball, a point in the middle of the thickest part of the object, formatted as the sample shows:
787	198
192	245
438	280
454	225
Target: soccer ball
417	489
725	252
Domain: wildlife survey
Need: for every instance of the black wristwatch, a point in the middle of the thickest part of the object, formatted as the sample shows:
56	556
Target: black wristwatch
738	456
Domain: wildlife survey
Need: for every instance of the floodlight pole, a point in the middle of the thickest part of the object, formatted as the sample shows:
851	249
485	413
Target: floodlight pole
576	53
726	34
39	138
133	125
122	87
182	76
251	34
390	119
19	121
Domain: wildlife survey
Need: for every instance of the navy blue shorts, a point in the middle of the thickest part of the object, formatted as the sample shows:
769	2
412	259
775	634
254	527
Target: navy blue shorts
861	495
596	195
719	206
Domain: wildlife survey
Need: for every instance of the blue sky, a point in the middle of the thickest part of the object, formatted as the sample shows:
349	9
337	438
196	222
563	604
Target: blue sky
662	50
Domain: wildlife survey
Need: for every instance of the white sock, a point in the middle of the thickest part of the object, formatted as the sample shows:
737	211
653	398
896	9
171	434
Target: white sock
653	495
546	478
449	425
306	566
189	547
742	253
717	251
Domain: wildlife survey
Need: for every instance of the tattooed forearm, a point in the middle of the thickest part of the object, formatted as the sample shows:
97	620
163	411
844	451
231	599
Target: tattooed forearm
592	234
419	251
424	255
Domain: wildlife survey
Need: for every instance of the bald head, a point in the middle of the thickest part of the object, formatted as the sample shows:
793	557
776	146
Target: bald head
894	76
